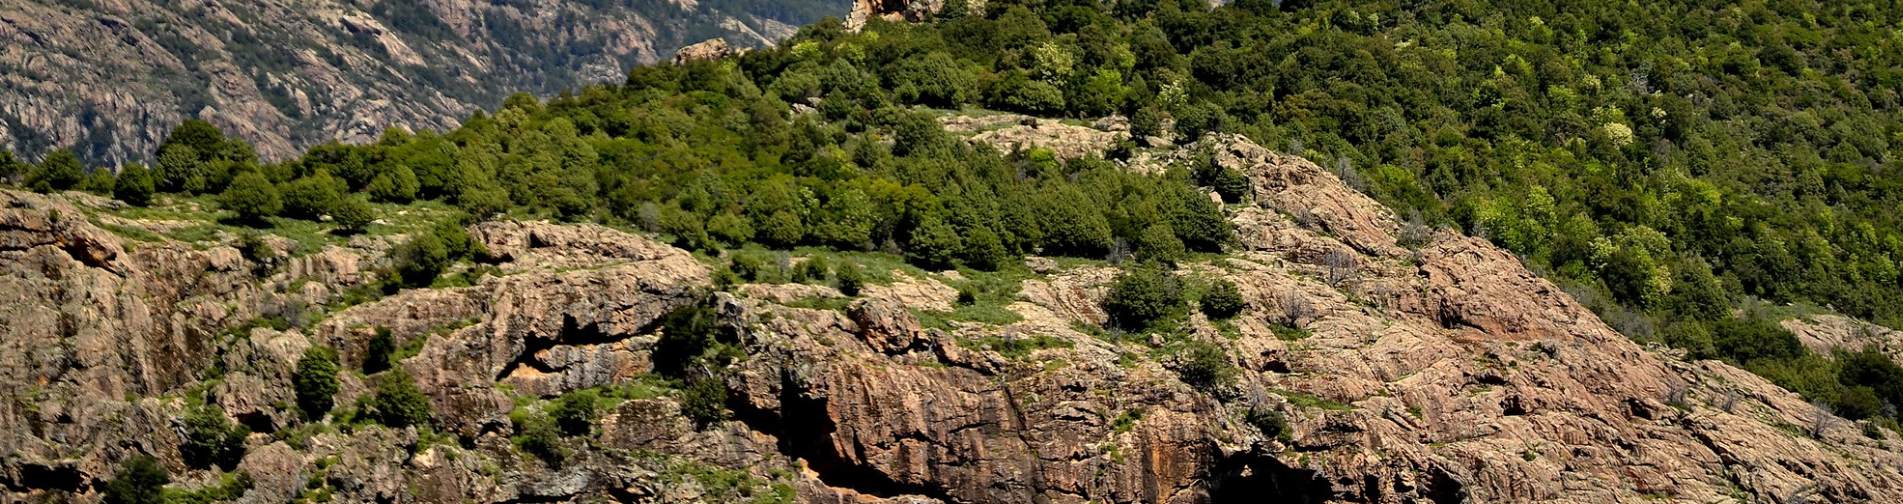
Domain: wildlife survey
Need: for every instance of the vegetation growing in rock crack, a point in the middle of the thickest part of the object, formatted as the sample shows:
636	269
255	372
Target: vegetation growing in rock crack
211	439
139	480
398	403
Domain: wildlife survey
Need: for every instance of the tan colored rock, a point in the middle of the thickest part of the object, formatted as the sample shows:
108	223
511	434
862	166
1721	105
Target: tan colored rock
1012	132
710	49
789	292
1826	332
898	11
914	292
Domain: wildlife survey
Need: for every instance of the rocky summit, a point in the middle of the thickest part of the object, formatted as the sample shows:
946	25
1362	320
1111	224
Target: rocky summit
109	78
1368	367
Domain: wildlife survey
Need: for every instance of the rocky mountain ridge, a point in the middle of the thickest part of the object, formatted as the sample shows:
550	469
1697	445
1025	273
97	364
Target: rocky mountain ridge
109	78
1424	367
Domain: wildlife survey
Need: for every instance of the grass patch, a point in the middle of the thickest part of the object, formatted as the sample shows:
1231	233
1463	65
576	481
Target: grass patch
984	297
880	268
820	303
722	484
1126	421
131	233
1286	332
1227	328
209	224
199	235
1302	400
229	487
1014	348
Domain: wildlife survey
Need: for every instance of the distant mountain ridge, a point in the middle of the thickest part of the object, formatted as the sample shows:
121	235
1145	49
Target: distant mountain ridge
109	78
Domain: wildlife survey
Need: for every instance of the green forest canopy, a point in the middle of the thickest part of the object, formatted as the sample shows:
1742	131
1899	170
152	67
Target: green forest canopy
1668	161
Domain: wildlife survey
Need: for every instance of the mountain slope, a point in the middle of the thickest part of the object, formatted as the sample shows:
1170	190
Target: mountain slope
1448	374
110	77
823	273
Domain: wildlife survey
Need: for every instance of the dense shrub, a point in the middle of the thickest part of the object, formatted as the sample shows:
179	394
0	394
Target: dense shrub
312	197
984	251
398	403
380	352
252	197
1222	301
352	214
536	433
1204	366
135	185
1142	296
10	166
139	480
704	401
851	278
1743	340
575	412
1269	421
315	382
61	170
419	260
1231	184
211	439
1159	244
812	270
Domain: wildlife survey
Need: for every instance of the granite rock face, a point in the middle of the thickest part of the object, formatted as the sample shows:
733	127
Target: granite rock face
111	77
711	49
1436	369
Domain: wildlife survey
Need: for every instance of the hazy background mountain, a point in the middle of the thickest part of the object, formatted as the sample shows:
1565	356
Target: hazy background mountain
110	77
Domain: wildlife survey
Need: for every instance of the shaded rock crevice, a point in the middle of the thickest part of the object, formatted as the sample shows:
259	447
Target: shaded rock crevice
804	431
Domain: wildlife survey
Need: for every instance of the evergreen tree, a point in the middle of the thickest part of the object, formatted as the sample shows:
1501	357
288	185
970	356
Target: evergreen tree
180	170
211	439
984	251
1159	244
352	214
1222	301
934	243
140	480
421	259
60	171
312	197
398	403
135	185
10	167
1141	297
252	197
315	382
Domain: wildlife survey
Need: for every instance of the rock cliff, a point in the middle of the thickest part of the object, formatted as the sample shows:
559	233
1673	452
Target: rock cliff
111	77
1430	370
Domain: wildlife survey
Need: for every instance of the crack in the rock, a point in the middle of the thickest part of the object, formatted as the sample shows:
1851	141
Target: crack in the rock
573	333
1022	427
804	432
1256	476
